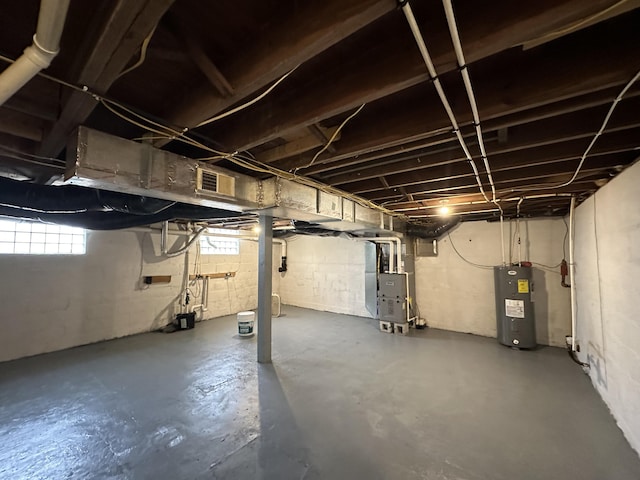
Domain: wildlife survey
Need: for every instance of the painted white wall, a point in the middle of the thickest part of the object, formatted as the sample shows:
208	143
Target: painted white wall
607	268
325	273
56	302
454	295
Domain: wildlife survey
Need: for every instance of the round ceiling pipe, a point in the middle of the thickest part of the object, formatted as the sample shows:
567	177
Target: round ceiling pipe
39	55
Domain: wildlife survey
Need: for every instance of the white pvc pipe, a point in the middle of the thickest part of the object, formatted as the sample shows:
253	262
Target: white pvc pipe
518	230
164	238
283	244
504	259
571	272
408	12
398	246
190	242
38	56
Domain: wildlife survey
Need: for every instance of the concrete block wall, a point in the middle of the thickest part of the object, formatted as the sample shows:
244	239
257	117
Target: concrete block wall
607	268
326	274
454	295
56	302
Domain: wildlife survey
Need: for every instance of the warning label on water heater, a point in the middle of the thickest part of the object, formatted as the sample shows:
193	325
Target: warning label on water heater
523	285
514	308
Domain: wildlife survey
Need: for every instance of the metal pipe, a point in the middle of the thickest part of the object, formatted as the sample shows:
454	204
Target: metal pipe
398	246
38	56
391	254
571	272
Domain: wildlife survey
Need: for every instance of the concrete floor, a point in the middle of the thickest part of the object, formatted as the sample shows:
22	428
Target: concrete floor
341	401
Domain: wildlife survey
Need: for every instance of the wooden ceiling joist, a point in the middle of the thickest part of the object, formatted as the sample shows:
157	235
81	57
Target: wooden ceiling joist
119	38
307	31
390	67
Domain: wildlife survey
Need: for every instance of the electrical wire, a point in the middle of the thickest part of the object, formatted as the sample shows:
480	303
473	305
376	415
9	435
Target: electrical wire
143	54
486	267
249	103
333	137
28	160
576	25
591	144
166	131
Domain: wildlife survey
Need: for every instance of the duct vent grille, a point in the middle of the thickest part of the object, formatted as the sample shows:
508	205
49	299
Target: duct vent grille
212	182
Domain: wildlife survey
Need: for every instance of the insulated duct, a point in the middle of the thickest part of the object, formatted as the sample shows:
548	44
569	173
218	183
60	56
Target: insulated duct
38	56
434	231
93	209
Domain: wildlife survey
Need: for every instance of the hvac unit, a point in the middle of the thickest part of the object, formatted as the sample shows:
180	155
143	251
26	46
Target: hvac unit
214	183
514	308
392	298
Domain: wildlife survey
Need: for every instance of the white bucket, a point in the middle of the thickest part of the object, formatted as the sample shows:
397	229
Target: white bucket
246	321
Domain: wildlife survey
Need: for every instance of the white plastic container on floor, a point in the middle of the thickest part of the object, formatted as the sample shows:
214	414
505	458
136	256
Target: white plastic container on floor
246	322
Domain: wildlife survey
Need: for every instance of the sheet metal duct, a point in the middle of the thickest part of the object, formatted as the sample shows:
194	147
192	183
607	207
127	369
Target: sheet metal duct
101	161
105	162
287	199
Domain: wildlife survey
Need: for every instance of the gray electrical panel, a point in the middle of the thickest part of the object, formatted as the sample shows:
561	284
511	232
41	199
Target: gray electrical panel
392	297
514	309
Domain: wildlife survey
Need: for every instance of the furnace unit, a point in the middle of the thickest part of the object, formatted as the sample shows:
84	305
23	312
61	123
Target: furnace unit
514	308
392	298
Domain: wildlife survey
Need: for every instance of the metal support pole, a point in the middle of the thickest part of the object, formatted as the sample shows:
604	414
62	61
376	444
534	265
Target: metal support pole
265	265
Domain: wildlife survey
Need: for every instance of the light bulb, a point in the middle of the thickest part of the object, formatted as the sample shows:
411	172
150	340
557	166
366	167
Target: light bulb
444	211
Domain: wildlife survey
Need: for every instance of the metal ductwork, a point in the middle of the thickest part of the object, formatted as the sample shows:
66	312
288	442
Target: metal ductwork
101	161
113	183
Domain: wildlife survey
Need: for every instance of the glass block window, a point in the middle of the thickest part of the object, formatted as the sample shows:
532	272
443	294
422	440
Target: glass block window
34	238
220	245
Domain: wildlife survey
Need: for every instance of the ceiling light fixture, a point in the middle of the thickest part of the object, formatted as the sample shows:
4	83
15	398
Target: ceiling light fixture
444	210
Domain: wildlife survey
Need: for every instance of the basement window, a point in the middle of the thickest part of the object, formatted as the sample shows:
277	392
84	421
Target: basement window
210	245
34	238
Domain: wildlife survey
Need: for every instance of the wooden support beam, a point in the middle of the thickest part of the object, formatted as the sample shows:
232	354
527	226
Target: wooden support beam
39	98
454	200
21	125
297	146
118	37
406	194
386	68
200	57
351	154
506	180
584	124
324	139
521	89
311	28
617	142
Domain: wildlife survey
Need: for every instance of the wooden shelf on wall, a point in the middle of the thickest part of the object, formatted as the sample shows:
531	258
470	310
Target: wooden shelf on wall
152	279
213	275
